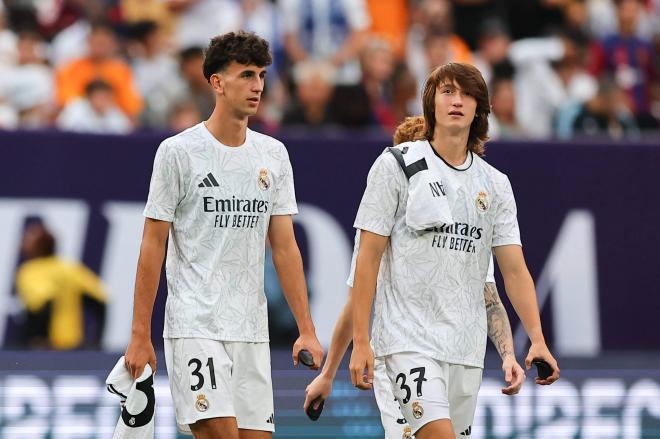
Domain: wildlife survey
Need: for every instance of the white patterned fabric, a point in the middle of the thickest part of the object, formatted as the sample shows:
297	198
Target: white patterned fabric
430	289
219	200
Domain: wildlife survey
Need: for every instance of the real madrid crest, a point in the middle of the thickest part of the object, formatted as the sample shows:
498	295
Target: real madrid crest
407	433
417	409
202	404
263	179
482	201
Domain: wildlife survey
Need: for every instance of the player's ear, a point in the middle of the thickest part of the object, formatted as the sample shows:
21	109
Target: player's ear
217	83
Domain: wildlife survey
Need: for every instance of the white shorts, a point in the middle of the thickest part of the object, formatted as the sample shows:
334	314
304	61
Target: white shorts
394	424
216	379
427	390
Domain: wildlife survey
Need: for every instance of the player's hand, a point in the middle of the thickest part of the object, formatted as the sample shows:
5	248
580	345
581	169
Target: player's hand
140	351
362	359
320	388
310	343
540	351
514	375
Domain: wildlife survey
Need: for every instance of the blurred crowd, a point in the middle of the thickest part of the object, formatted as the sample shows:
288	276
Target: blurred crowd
555	68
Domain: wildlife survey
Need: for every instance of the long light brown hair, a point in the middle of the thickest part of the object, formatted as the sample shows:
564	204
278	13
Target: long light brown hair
470	80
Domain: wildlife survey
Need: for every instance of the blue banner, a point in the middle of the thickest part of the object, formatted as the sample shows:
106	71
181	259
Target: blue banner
588	214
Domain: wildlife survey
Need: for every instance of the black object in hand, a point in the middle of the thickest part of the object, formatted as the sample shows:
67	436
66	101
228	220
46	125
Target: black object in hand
313	413
543	369
305	357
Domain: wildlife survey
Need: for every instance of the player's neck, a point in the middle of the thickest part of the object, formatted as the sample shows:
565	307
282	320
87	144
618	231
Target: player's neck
227	128
452	147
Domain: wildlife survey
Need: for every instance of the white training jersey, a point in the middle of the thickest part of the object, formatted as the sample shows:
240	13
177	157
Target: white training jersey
219	200
430	288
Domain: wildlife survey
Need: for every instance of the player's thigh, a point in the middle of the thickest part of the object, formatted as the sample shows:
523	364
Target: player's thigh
254	434
252	386
215	428
419	384
200	374
394	424
438	429
464	383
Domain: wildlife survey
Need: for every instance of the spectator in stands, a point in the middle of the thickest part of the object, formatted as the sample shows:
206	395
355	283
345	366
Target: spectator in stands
502	121
377	61
183	115
197	21
631	60
390	20
96	112
100	63
492	47
549	79
333	31
606	115
7	42
56	294
28	85
156	73
314	82
196	87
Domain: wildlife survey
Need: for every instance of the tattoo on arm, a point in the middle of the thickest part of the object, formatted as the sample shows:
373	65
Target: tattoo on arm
499	328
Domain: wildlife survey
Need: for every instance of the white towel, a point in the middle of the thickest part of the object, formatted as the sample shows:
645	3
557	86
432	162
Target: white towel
431	190
137	402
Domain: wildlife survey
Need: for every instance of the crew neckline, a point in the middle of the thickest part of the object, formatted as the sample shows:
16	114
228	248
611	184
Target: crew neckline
462	167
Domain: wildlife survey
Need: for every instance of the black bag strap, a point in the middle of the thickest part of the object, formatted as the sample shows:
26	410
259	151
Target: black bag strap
411	169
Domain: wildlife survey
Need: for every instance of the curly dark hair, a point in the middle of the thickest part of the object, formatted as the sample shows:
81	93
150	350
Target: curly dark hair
469	79
243	47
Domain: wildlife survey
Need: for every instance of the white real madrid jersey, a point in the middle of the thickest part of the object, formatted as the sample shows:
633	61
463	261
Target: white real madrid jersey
219	200
430	288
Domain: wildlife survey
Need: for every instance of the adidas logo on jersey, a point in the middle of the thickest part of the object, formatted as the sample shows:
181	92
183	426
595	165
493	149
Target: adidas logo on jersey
209	181
467	432
271	419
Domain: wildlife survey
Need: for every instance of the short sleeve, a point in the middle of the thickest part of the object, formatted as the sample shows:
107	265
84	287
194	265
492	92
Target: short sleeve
165	189
490	274
380	200
285	194
356	247
505	226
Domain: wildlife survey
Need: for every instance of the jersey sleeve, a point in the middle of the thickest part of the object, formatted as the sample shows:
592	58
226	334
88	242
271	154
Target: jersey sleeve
490	275
284	202
505	227
356	246
381	197
165	189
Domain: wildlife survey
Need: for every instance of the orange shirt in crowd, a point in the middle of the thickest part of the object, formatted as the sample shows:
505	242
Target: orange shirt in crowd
72	79
389	19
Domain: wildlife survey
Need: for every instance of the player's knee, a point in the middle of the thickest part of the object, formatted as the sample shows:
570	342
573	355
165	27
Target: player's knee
438	429
215	428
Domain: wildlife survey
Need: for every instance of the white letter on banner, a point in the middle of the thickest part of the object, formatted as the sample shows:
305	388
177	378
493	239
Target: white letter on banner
69	392
643	396
329	262
561	397
571	273
26	394
492	403
599	394
125	224
66	219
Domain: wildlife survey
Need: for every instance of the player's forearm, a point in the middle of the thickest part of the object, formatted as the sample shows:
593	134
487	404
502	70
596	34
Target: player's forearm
288	264
499	327
364	288
522	294
147	279
341	338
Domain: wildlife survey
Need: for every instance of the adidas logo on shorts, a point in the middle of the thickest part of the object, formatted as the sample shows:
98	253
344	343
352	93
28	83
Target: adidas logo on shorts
467	432
271	419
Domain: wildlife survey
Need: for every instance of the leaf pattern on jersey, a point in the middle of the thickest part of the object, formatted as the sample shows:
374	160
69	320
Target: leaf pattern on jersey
215	274
431	299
